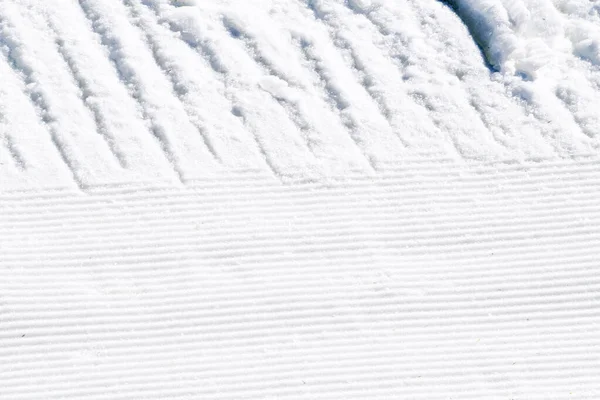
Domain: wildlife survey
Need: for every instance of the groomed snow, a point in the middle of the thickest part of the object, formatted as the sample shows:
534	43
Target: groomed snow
299	199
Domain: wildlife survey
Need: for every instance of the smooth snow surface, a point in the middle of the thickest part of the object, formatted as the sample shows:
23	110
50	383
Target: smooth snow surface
299	199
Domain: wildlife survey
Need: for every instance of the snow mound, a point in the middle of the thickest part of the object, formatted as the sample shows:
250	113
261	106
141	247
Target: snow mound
523	36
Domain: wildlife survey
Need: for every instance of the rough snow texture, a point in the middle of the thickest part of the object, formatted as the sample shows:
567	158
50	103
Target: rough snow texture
299	199
101	92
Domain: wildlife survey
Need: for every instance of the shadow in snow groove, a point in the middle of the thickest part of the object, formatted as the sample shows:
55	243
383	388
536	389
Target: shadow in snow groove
8	143
178	88
24	72
86	93
477	30
7	140
292	109
333	96
209	54
357	67
127	77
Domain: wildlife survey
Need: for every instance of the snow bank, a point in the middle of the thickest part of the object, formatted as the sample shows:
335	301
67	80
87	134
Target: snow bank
523	36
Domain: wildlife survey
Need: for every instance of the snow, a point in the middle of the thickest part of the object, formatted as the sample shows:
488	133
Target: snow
299	199
523	37
183	91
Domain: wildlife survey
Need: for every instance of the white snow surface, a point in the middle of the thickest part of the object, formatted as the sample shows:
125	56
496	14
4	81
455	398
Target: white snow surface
299	199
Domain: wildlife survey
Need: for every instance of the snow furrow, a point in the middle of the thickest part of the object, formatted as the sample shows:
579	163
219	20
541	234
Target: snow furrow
194	83
325	137
69	61
359	112
236	325
19	59
155	47
120	122
407	47
9	144
278	138
378	231
138	70
382	81
314	199
311	210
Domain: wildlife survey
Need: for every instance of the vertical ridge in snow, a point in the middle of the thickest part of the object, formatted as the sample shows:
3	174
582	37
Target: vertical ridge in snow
360	114
203	94
154	47
376	84
80	81
291	87
114	111
385	85
25	137
430	81
264	117
9	145
20	57
170	124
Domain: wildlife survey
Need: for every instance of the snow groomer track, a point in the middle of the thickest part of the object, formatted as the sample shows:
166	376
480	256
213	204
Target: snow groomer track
299	199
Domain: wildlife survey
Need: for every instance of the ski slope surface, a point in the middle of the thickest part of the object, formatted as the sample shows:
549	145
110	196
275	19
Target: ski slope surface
299	199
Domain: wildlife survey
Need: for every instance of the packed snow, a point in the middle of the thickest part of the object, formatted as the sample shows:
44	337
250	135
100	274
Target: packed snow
299	199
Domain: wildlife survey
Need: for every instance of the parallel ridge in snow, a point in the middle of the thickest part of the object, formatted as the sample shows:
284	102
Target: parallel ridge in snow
98	92
433	283
299	199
